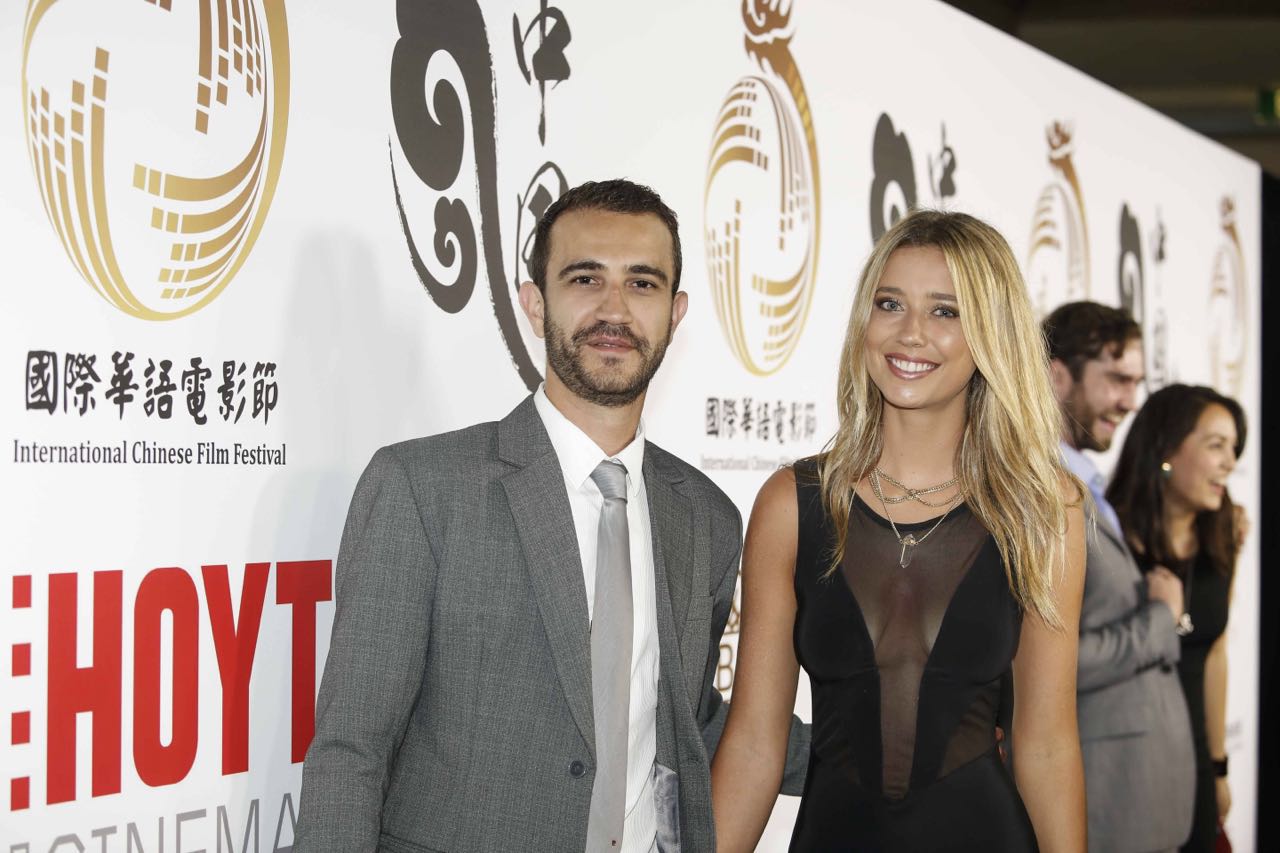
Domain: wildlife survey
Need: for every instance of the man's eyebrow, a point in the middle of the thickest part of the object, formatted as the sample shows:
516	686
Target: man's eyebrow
646	269
586	264
937	295
591	265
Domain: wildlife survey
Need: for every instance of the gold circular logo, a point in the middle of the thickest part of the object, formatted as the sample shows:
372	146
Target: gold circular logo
1228	311
156	132
1058	262
761	204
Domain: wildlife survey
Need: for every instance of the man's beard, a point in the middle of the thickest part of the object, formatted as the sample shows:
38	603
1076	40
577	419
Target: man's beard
564	357
1080	427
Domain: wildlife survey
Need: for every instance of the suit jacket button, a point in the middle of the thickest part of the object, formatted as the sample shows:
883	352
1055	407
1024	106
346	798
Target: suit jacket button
577	769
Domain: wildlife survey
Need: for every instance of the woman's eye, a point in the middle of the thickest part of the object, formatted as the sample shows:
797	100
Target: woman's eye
888	305
946	311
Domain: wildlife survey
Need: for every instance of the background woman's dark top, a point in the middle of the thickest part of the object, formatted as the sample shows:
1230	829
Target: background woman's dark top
1207	602
910	672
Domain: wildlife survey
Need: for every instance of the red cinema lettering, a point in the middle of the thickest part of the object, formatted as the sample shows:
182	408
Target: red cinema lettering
94	689
165	589
304	584
236	640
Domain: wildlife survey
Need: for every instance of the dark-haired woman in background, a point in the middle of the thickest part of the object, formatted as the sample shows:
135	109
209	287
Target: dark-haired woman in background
1170	492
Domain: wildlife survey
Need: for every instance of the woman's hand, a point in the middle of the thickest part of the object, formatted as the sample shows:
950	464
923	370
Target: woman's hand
1240	524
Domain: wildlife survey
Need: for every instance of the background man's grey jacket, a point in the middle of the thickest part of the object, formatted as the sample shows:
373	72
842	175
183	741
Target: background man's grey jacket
455	709
1135	734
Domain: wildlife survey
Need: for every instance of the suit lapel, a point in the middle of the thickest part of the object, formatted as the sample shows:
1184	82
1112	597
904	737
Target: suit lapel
1111	533
544	522
674	563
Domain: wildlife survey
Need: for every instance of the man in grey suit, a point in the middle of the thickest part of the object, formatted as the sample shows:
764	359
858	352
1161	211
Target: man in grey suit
1135	735
529	611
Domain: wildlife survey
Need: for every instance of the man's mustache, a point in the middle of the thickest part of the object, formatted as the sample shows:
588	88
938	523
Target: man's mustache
608	330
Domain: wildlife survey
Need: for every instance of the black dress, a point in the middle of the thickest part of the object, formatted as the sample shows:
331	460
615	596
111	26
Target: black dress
910	674
1207	594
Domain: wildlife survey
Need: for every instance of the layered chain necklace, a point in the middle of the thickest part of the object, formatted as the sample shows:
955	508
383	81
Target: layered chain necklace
914	494
909	542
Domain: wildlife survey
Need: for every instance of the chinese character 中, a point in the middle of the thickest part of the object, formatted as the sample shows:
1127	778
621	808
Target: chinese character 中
548	63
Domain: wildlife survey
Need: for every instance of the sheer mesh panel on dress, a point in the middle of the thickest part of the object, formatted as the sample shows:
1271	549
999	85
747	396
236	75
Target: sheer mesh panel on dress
904	609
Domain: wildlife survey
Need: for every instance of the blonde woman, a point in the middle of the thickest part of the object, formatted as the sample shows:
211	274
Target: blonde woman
923	569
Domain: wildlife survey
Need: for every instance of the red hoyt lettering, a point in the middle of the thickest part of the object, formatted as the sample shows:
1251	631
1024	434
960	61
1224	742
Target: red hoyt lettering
95	690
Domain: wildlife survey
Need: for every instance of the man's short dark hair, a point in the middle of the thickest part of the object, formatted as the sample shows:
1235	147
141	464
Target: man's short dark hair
616	196
1078	332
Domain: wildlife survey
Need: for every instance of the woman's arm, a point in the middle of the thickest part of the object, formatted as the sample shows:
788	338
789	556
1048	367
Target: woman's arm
1215	715
1045	736
747	770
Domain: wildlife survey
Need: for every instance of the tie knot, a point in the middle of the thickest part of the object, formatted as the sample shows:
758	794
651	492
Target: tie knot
611	477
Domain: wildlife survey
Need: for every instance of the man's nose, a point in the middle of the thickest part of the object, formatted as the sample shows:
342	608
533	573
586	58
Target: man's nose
613	303
1128	398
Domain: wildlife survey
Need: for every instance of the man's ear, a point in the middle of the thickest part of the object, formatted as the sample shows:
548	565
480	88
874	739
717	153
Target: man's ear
679	305
1061	379
531	300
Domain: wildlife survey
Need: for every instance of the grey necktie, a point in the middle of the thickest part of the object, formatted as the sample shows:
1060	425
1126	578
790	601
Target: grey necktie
611	661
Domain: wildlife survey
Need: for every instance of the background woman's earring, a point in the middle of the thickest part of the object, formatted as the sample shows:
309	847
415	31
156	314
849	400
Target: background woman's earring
1166	470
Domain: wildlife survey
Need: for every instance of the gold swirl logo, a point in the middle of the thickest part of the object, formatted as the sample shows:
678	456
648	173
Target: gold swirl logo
1058	261
157	184
1228	308
762	204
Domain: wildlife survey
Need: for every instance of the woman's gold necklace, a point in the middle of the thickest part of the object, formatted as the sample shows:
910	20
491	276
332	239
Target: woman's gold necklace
909	541
914	494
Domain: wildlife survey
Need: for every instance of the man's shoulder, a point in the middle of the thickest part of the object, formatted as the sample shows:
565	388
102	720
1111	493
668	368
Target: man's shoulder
461	451
694	482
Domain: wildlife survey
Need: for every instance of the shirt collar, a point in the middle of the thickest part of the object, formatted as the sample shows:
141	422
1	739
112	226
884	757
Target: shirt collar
578	454
1082	466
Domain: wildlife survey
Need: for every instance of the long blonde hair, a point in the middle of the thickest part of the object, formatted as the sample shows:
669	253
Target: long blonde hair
1008	461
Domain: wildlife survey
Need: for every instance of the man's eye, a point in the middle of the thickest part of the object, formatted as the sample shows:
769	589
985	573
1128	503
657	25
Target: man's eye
643	284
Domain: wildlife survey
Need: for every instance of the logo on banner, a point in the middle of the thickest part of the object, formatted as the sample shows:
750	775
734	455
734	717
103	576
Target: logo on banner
1140	293
1228	308
893	182
431	127
158	710
156	178
762	199
1058	262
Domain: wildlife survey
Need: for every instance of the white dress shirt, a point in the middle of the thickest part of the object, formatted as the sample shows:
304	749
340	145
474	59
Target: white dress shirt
579	456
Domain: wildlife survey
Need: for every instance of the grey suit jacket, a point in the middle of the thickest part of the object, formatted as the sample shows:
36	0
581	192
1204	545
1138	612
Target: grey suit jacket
1135	734
455	709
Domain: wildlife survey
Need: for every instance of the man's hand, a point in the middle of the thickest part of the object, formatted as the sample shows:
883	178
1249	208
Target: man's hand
1163	585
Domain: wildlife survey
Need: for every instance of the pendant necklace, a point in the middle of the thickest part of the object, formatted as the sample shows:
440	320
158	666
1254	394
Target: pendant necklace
909	541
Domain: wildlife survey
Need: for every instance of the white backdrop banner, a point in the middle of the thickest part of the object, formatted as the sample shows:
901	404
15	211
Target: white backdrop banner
247	242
